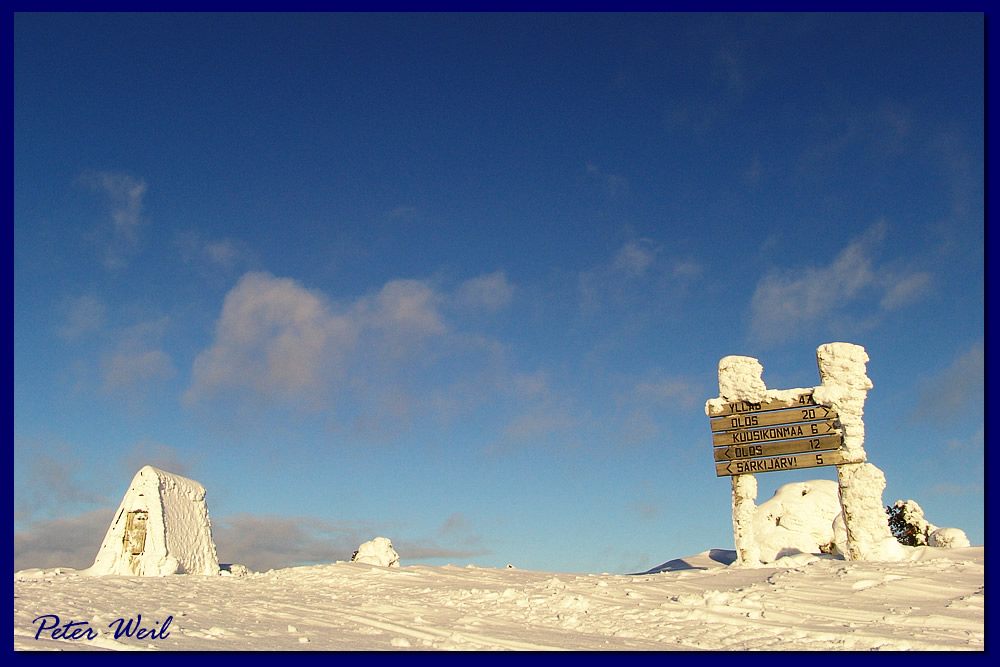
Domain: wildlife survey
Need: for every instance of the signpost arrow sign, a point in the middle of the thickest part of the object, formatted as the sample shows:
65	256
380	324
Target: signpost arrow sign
744	407
817	444
773	433
774	464
793	416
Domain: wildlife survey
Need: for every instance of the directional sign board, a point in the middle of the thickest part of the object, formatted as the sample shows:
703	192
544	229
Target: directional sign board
818	444
743	407
793	462
775	435
771	418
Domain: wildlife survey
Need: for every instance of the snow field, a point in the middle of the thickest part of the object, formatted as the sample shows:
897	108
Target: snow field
933	601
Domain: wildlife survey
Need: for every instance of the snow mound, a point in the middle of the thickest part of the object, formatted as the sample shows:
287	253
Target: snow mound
806	518
377	552
800	518
949	538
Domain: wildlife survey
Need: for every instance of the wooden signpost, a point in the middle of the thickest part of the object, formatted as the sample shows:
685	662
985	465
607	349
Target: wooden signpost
756	429
773	435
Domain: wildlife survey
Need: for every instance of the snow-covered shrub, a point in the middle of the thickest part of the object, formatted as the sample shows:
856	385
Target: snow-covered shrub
377	552
949	538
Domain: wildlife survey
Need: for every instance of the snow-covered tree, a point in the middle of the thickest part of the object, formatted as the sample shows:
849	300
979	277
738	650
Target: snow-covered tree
908	525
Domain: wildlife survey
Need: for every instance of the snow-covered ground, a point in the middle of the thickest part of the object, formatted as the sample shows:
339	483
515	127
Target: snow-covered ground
933	600
804	597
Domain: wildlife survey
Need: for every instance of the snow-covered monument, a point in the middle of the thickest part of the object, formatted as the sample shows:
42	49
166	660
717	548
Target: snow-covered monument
160	528
757	429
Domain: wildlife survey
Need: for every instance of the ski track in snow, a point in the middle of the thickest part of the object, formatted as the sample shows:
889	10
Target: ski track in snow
825	604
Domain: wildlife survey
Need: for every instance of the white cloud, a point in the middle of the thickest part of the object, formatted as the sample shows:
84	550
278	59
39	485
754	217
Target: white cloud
489	292
274	338
374	365
404	306
279	341
755	172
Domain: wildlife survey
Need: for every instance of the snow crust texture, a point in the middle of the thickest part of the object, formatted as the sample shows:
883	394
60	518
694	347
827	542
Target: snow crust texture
931	601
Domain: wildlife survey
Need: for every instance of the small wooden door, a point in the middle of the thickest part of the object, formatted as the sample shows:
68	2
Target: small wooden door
135	532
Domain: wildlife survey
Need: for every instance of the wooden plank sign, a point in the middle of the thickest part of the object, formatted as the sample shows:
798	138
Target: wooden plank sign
772	418
774	433
817	444
744	407
792	462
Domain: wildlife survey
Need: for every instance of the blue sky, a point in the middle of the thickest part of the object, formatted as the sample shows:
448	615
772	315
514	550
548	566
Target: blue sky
464	280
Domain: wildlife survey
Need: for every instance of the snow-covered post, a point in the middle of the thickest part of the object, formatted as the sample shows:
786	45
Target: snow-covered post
845	387
740	380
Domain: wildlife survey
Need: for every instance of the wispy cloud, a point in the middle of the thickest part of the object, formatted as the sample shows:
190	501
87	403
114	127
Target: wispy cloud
156	454
638	275
610	282
457	529
635	257
784	304
534	426
280	344
612	185
955	391
426	549
962	178
81	315
906	290
263	542
50	484
211	254
637	402
71	542
123	194
138	359
489	292
646	511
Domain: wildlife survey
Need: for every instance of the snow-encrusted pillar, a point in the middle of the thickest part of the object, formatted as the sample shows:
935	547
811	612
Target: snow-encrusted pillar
740	380
845	387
